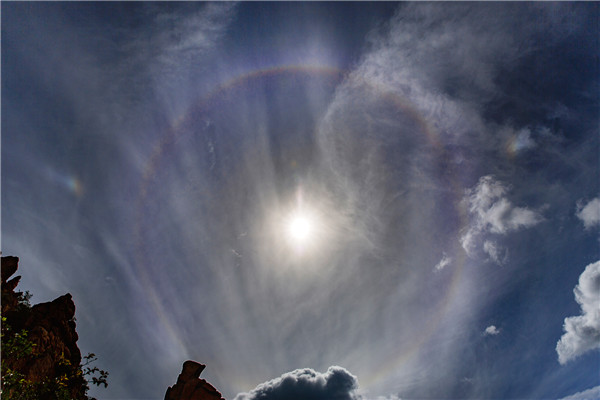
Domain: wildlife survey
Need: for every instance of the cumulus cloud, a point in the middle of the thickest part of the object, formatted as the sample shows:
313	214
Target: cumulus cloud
493	213
592	393
582	332
590	213
335	384
491	330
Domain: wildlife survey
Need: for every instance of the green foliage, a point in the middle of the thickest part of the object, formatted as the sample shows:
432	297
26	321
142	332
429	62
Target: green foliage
16	387
16	346
92	371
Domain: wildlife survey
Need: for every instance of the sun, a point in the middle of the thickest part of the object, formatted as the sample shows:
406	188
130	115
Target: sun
300	227
301	230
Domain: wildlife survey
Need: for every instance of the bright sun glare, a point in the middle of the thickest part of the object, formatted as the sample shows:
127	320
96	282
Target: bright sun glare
300	228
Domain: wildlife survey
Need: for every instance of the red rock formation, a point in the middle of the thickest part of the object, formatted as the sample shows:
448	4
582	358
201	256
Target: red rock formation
190	387
50	328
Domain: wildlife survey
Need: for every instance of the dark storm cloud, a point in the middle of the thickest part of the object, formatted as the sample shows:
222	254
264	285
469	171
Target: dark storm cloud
335	384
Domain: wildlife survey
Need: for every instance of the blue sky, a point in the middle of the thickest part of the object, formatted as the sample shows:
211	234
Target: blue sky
317	200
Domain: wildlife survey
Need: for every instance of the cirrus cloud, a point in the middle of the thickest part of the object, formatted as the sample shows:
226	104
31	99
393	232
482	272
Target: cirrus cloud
592	393
444	262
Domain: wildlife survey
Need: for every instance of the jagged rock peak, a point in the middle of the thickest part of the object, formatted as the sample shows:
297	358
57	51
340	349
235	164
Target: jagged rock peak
189	386
50	329
9	266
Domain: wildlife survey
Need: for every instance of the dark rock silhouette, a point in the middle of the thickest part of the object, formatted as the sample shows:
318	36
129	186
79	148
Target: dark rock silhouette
190	387
10	299
50	327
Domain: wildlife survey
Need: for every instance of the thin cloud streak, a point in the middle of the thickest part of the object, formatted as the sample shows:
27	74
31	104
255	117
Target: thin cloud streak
591	393
444	262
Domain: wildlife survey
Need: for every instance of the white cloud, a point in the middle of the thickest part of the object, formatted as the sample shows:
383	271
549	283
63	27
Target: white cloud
592	393
523	140
448	79
306	383
493	213
179	33
496	252
444	262
336	383
491	330
520	140
161	55
582	332
590	213
496	213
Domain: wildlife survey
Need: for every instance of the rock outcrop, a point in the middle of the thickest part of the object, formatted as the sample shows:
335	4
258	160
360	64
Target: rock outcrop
190	387
50	329
39	344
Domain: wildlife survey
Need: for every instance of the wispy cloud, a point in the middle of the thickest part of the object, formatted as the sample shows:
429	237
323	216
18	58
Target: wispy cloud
390	397
496	252
448	60
582	332
179	36
589	394
421	113
444	262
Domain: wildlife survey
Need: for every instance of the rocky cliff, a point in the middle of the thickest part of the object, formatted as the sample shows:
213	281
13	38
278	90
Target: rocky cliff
40	357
